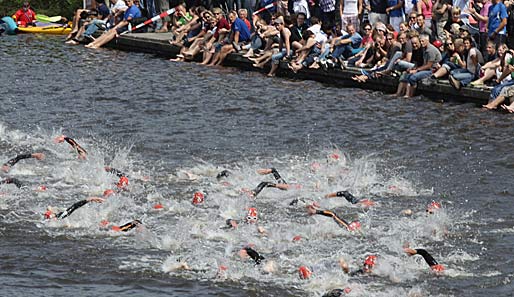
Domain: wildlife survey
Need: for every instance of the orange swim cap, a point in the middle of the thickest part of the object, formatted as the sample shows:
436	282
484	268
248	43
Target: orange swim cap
304	272
115	228
252	215
437	268
122	182
158	206
355	225
433	206
198	198
370	260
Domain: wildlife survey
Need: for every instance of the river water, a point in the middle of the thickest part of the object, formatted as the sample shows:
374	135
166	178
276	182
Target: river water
173	126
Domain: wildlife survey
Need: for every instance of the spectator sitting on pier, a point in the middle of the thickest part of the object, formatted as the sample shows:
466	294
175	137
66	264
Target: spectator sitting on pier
222	29
183	23
198	41
269	37
239	35
257	40
505	93
408	82
131	13
452	59
493	68
100	16
284	47
462	77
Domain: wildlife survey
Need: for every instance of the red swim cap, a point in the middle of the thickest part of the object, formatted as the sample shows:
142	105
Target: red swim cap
437	268
115	228
104	223
41	188
304	272
158	206
370	260
355	225
297	238
49	214
123	182
198	198
251	216
433	206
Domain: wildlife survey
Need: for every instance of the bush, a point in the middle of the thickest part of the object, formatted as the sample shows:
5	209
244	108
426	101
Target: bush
49	7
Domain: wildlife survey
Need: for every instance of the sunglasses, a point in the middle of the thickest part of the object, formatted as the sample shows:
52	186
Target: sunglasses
412	18
449	44
367	29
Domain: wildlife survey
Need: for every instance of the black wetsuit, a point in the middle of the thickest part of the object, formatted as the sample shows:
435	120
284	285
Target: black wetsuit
341	222
348	196
129	226
16	159
223	174
254	255
71	209
12	180
75	145
428	258
263	185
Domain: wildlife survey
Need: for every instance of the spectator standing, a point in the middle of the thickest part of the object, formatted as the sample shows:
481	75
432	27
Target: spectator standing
350	10
378	11
395	11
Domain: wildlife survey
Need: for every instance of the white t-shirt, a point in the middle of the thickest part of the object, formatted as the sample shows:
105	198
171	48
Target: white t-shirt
120	5
301	6
351	7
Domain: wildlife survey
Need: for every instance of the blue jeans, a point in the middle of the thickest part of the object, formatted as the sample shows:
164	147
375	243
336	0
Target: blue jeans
93	27
413	79
495	92
344	50
463	75
275	58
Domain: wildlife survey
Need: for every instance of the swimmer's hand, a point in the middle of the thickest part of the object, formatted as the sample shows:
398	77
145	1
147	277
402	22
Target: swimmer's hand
344	265
311	210
6	168
264	171
38	156
59	139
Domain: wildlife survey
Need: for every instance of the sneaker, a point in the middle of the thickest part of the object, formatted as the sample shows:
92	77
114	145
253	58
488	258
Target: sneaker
331	64
429	81
323	64
236	46
455	82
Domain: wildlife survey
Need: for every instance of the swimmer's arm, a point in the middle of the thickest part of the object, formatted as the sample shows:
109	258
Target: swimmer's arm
13	161
82	152
326	213
114	171
12	181
427	257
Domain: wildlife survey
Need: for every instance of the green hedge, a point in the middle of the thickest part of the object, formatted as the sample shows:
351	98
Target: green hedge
49	7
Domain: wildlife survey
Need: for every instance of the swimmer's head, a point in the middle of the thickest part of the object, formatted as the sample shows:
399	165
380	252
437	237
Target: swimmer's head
41	188
437	268
304	272
297	238
108	192
223	174
407	212
158	206
369	263
355	225
198	198
251	216
122	182
433	206
49	213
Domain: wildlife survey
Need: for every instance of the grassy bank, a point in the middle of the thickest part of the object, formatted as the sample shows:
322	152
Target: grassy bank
49	7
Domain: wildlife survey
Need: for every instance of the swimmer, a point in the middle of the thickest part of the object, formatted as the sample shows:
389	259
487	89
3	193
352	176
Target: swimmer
350	198
367	267
436	267
123	181
275	173
263	185
251	218
223	174
80	151
9	164
13	181
355	225
49	214
128	226
253	254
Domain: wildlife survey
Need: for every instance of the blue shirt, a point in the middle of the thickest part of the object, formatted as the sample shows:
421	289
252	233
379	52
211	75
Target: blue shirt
103	10
356	39
396	12
239	26
132	12
497	12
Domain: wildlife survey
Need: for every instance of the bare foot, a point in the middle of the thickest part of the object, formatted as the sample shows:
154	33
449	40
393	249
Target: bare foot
487	106
258	65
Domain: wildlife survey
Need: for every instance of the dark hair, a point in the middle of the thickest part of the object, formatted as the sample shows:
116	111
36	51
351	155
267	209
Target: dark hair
468	38
301	13
314	20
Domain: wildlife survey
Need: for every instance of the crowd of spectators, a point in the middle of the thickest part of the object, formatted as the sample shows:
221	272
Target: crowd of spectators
465	42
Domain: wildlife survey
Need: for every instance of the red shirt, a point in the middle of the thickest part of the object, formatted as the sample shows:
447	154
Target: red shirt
222	24
24	18
247	22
